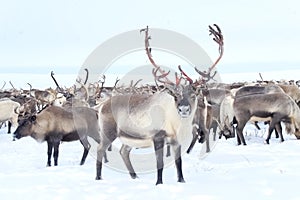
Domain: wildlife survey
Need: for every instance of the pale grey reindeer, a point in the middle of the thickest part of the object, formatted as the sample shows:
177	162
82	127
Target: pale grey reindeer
127	117
145	120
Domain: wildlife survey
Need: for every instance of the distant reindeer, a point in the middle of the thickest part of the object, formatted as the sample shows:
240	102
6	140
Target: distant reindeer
9	111
274	107
227	112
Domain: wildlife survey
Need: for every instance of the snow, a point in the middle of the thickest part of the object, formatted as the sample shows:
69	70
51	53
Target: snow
255	171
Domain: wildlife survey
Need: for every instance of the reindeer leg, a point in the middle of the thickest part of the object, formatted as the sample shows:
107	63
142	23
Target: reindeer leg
159	141
256	125
56	152
9	127
271	128
178	162
125	151
168	150
49	153
195	137
240	136
103	145
278	131
86	145
214	127
206	133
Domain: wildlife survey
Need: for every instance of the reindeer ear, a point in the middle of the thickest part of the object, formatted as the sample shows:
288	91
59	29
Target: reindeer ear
33	118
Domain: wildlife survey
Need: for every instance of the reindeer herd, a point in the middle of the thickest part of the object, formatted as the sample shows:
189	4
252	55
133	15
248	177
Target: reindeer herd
165	113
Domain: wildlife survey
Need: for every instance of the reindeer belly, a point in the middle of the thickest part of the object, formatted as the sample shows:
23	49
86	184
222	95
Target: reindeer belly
136	142
71	137
259	119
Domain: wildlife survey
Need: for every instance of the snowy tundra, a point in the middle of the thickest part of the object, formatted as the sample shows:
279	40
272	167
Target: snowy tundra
255	171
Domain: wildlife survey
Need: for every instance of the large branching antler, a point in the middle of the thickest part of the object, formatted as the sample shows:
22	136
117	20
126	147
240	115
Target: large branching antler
218	38
148	52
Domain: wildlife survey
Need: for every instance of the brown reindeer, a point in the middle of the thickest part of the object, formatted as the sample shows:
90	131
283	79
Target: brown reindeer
55	124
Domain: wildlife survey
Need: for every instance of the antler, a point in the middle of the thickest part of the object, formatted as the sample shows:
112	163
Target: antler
78	80
3	85
87	76
52	76
159	77
12	85
102	81
148	51
186	76
116	82
218	38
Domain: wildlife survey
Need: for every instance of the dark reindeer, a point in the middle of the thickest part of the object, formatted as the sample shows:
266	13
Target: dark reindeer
55	124
227	119
274	107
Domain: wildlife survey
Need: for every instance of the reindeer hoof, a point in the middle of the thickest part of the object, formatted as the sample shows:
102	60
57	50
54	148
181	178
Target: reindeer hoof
159	182
133	175
267	142
181	180
98	178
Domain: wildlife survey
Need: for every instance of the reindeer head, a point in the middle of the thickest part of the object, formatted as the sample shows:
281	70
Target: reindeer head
185	95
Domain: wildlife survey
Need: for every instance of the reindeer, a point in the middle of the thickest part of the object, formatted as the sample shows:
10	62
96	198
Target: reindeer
293	91
145	120
43	97
274	107
55	124
227	120
174	109
179	103
9	111
208	103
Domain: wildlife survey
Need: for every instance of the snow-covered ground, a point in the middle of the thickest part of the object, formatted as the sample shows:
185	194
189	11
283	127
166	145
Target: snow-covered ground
255	171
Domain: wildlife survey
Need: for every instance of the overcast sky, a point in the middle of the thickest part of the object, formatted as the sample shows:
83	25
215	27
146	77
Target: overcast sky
61	34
